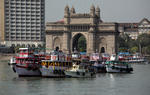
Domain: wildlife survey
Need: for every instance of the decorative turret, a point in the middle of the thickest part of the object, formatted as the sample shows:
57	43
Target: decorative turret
97	11
67	13
72	10
92	11
92	15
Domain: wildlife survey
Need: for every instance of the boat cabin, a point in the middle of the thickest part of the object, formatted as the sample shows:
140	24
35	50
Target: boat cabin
25	52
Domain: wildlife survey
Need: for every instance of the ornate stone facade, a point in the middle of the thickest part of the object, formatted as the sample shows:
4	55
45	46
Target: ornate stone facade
100	36
135	29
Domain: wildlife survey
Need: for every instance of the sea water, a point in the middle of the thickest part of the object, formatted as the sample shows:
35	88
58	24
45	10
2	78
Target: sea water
136	83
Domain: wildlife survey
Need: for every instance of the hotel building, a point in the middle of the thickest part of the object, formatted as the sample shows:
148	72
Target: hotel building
22	22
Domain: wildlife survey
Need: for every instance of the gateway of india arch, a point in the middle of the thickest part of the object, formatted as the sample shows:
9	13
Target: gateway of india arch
100	36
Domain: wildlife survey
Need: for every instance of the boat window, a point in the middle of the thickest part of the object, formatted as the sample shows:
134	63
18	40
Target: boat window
24	51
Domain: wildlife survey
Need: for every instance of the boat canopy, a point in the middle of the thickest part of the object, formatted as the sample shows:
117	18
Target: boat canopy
23	48
123	53
116	62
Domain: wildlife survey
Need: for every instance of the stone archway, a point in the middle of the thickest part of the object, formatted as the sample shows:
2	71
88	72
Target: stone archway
18	45
57	43
33	45
13	45
79	43
28	46
23	45
102	42
102	50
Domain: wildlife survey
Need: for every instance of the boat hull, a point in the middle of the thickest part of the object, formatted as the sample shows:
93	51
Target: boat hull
52	72
23	72
100	69
118	70
80	74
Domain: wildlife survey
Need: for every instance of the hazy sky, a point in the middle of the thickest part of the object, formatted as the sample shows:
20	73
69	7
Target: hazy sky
111	10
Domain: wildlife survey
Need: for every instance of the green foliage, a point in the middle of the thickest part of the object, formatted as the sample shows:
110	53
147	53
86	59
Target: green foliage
123	49
148	49
143	39
124	40
134	49
141	44
17	48
82	44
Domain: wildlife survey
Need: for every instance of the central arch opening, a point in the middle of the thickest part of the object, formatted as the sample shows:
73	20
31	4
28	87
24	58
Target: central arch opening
79	43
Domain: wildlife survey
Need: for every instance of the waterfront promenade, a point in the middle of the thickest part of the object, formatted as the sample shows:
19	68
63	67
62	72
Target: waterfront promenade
5	57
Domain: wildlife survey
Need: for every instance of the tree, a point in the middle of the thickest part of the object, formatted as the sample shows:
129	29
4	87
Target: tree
143	40
124	42
148	49
141	44
82	44
134	49
17	48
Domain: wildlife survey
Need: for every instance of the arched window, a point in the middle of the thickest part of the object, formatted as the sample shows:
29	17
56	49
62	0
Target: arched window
28	45
39	46
33	45
57	43
18	45
13	45
23	45
102	50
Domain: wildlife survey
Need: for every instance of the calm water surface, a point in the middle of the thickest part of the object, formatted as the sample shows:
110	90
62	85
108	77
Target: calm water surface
137	83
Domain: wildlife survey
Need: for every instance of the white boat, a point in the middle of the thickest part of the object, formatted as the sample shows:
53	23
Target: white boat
113	57
95	57
97	63
78	71
137	58
99	66
118	67
76	56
